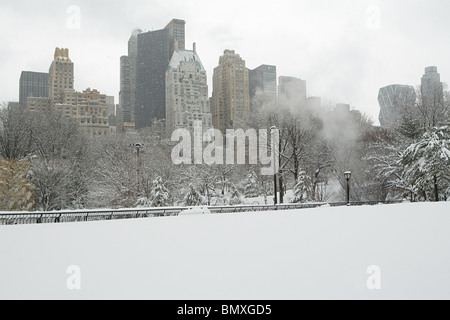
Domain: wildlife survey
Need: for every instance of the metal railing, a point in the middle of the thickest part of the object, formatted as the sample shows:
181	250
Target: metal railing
12	218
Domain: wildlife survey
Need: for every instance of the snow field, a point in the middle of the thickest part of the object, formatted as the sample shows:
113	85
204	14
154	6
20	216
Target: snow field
321	253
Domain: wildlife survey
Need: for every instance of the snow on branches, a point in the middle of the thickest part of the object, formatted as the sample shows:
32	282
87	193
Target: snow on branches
427	163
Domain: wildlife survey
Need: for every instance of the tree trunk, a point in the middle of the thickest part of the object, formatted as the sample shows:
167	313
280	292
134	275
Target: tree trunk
281	189
436	189
314	187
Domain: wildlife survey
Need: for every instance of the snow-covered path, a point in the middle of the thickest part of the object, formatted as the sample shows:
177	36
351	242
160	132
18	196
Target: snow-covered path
321	253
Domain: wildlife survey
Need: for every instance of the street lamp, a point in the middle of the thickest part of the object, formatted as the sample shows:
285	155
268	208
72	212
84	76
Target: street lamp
138	147
348	176
274	155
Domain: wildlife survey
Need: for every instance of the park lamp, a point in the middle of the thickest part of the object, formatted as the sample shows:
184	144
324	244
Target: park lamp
348	175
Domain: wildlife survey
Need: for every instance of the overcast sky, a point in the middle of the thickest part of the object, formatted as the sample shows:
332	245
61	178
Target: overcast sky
345	49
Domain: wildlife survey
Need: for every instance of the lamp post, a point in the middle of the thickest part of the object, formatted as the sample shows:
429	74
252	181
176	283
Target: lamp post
348	176
138	147
274	155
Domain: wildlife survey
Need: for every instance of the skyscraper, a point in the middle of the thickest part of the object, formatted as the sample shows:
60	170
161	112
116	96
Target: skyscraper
152	61
126	90
176	29
187	97
127	94
231	97
291	93
432	89
60	81
262	86
394	100
143	70
61	76
32	84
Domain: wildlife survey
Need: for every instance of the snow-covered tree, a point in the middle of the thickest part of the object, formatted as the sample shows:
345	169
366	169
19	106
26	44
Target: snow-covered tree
143	203
427	163
60	168
410	127
193	197
251	185
301	189
159	196
235	196
432	106
16	132
382	171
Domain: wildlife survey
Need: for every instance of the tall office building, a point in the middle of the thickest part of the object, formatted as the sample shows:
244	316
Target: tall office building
187	98
111	105
177	31
126	90
32	84
127	94
152	61
231	97
143	70
61	75
132	55
262	86
60	80
394	100
291	93
432	89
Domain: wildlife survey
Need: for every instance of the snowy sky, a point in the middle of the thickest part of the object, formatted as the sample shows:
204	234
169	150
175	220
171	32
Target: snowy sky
346	49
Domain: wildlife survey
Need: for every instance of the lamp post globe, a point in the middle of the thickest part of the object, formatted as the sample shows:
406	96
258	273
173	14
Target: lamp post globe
348	176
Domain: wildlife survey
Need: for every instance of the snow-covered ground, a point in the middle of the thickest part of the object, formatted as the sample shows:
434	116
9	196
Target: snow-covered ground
322	253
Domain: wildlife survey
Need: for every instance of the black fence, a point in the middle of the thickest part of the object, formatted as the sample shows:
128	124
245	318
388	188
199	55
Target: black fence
104	215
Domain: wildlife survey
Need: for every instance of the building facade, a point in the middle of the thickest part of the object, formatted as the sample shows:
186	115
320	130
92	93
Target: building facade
262	86
394	101
89	108
230	100
432	89
39	104
125	94
177	35
32	84
128	67
187	98
143	71
93	113
152	61
61	75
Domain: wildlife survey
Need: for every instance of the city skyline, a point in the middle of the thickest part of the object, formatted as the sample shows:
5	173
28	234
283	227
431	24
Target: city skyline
340	49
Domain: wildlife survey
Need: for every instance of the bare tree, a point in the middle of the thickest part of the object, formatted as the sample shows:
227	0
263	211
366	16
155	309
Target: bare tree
16	132
432	106
60	169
